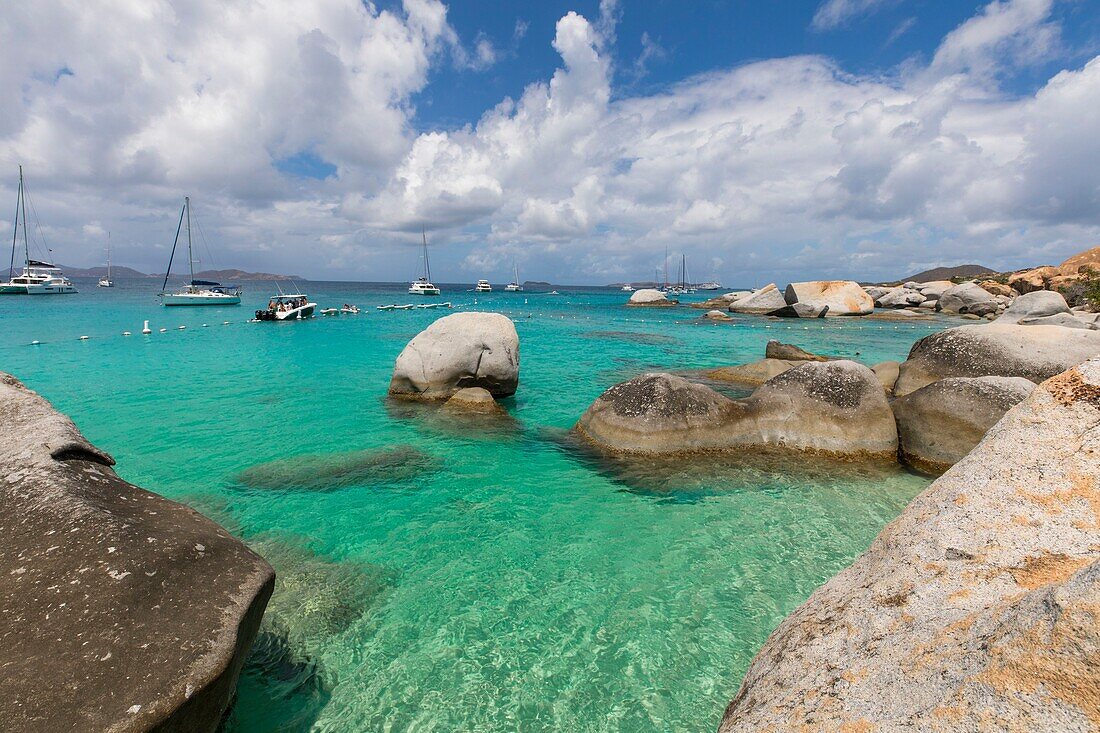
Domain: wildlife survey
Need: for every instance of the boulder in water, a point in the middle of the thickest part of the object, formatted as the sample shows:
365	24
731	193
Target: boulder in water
996	349
473	399
122	610
900	298
457	351
759	302
840	297
974	610
753	374
940	423
648	297
790	352
967	299
801	310
331	471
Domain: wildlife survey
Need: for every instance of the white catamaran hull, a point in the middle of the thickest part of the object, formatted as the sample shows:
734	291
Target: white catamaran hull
200	299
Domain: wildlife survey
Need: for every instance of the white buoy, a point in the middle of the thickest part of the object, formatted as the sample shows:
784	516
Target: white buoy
146	329
83	338
182	327
164	330
35	343
125	333
205	325
225	323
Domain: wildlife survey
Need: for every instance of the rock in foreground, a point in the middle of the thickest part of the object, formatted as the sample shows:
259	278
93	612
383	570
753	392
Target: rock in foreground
941	423
458	351
1003	350
975	610
835	407
121	610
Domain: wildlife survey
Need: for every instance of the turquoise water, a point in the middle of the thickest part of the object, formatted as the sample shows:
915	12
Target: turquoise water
440	575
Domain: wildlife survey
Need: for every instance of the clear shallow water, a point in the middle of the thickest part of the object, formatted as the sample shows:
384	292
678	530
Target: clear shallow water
437	575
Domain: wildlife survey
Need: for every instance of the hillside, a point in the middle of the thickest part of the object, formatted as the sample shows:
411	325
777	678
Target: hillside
117	271
946	273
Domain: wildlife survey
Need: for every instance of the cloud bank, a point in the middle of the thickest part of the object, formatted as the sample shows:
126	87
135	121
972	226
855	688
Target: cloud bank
778	169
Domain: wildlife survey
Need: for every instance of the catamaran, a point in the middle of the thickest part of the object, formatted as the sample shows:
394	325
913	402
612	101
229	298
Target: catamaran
105	281
483	286
37	278
196	292
423	285
514	286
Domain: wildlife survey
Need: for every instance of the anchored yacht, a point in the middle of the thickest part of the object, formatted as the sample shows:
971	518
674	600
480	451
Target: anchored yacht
423	284
483	286
514	286
195	292
105	281
37	278
282	307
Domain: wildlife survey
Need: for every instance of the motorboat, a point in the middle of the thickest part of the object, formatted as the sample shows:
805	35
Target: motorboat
38	277
293	307
330	311
483	286
349	308
711	285
195	292
514	286
423	284
105	281
628	288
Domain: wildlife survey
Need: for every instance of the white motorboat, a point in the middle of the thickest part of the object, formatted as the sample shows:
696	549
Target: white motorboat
195	292
423	284
349	308
37	278
293	307
483	286
628	288
514	286
105	281
711	285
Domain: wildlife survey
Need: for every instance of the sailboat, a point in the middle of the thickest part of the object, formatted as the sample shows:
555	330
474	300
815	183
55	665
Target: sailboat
37	278
423	285
196	292
105	282
514	286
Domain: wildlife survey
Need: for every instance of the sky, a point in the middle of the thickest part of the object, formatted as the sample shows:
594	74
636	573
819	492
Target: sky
579	141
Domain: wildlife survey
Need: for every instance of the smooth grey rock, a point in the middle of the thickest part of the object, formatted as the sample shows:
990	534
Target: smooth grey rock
940	423
911	285
801	310
1064	320
835	407
717	316
933	290
900	298
790	352
762	301
753	374
457	351
975	610
1036	304
996	349
967	299
841	297
472	399
650	297
877	291
119	609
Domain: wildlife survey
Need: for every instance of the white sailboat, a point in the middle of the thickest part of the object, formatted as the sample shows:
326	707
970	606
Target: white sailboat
37	278
196	292
105	282
423	284
514	286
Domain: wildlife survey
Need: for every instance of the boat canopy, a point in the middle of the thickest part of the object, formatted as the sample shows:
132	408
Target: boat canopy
291	296
38	263
206	282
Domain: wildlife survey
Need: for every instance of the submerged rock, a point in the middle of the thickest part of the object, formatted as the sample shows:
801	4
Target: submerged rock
942	422
330	471
836	407
974	610
650	297
753	374
473	399
122	610
457	351
996	349
717	316
779	350
840	297
759	302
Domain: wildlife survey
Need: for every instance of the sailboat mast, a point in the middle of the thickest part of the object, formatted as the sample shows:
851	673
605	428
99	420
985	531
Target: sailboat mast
23	199
15	229
108	255
683	271
666	268
190	257
427	265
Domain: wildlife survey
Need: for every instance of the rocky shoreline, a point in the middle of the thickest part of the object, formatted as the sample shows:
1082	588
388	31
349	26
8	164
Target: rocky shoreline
119	609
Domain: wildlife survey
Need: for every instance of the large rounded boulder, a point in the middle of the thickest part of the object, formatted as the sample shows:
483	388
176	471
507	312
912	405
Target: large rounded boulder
759	302
459	351
942	422
657	413
650	298
968	298
840	297
1004	350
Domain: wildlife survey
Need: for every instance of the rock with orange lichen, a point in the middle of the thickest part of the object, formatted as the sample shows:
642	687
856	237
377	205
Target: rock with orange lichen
977	609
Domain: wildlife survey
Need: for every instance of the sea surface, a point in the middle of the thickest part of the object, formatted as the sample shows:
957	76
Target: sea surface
446	575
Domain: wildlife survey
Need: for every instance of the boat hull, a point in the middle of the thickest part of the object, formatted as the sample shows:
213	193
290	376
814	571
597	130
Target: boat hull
187	299
7	289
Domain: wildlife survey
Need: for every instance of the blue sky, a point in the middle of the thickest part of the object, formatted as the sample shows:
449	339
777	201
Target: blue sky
766	140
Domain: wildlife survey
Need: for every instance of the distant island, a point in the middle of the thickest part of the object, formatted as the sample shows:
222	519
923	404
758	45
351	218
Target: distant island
118	271
947	273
